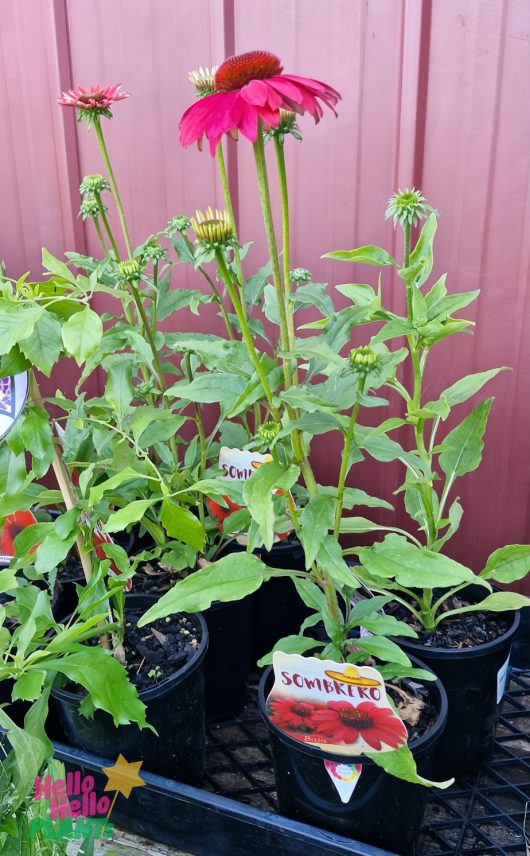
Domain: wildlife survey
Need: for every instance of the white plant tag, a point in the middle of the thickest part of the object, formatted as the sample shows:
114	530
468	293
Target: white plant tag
13	395
502	675
239	464
336	707
344	777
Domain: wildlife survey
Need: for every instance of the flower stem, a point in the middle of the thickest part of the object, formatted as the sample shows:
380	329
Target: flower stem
218	297
114	186
348	440
245	330
149	333
106	224
200	430
266	209
286	245
221	166
99	233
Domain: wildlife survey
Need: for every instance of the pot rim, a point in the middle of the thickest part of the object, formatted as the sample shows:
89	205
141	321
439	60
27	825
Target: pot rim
171	680
417	745
471	652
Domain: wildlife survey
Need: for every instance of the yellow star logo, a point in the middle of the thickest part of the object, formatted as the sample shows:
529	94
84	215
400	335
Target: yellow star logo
123	777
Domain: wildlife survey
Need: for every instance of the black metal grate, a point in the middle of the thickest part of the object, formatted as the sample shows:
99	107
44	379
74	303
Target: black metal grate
478	815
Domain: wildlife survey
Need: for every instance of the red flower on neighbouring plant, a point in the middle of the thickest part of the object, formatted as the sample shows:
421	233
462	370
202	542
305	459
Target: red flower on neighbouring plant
249	87
219	511
292	713
13	524
342	722
95	101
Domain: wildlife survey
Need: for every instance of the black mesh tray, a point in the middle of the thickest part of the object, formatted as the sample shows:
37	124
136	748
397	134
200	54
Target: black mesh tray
236	810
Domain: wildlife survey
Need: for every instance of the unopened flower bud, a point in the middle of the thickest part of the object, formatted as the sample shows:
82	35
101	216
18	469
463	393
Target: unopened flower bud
93	184
178	224
286	126
269	430
363	359
89	209
152	251
203	79
300	275
213	229
130	270
407	207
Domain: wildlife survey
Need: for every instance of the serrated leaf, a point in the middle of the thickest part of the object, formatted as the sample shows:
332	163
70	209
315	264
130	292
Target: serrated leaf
29	685
44	346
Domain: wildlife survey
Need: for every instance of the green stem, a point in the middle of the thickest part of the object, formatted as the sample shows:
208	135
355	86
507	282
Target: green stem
225	186
245	330
286	245
154	303
266	209
114	186
149	333
200	430
348	439
99	233
106	224
218	297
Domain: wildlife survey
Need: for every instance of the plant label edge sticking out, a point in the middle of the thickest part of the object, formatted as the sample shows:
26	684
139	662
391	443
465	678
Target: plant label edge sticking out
345	777
13	396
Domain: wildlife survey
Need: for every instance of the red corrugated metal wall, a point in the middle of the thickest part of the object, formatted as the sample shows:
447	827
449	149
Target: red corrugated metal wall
436	93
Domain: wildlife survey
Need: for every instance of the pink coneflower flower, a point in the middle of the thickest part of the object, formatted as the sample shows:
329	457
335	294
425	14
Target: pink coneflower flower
94	102
251	86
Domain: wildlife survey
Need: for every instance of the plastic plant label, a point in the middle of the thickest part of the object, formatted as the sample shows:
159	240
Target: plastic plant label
344	777
13	524
335	707
13	395
502	675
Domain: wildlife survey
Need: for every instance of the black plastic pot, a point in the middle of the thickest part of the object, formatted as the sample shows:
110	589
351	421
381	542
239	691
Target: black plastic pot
278	609
227	662
520	658
383	811
474	681
175	707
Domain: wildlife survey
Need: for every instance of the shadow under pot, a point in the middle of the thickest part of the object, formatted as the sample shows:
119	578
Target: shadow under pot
174	707
474	679
382	811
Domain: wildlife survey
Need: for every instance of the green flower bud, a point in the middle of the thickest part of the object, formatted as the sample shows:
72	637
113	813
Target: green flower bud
213	229
268	431
300	275
287	126
363	359
93	184
130	270
408	207
152	251
89	209
178	224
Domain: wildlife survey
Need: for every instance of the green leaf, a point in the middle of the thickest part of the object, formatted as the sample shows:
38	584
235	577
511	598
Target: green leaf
382	448
106	682
56	266
230	578
29	685
233	435
421	257
358	293
311	594
468	386
411	566
499	601
368	255
270	305
508	564
330	558
257	495
359	524
316	520
383	649
180	523
17	322
463	445
131	513
401	764
8	580
82	334
210	388
52	551
314	294
119	390
151	425
256	283
37	435
44	346
291	645
115	481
